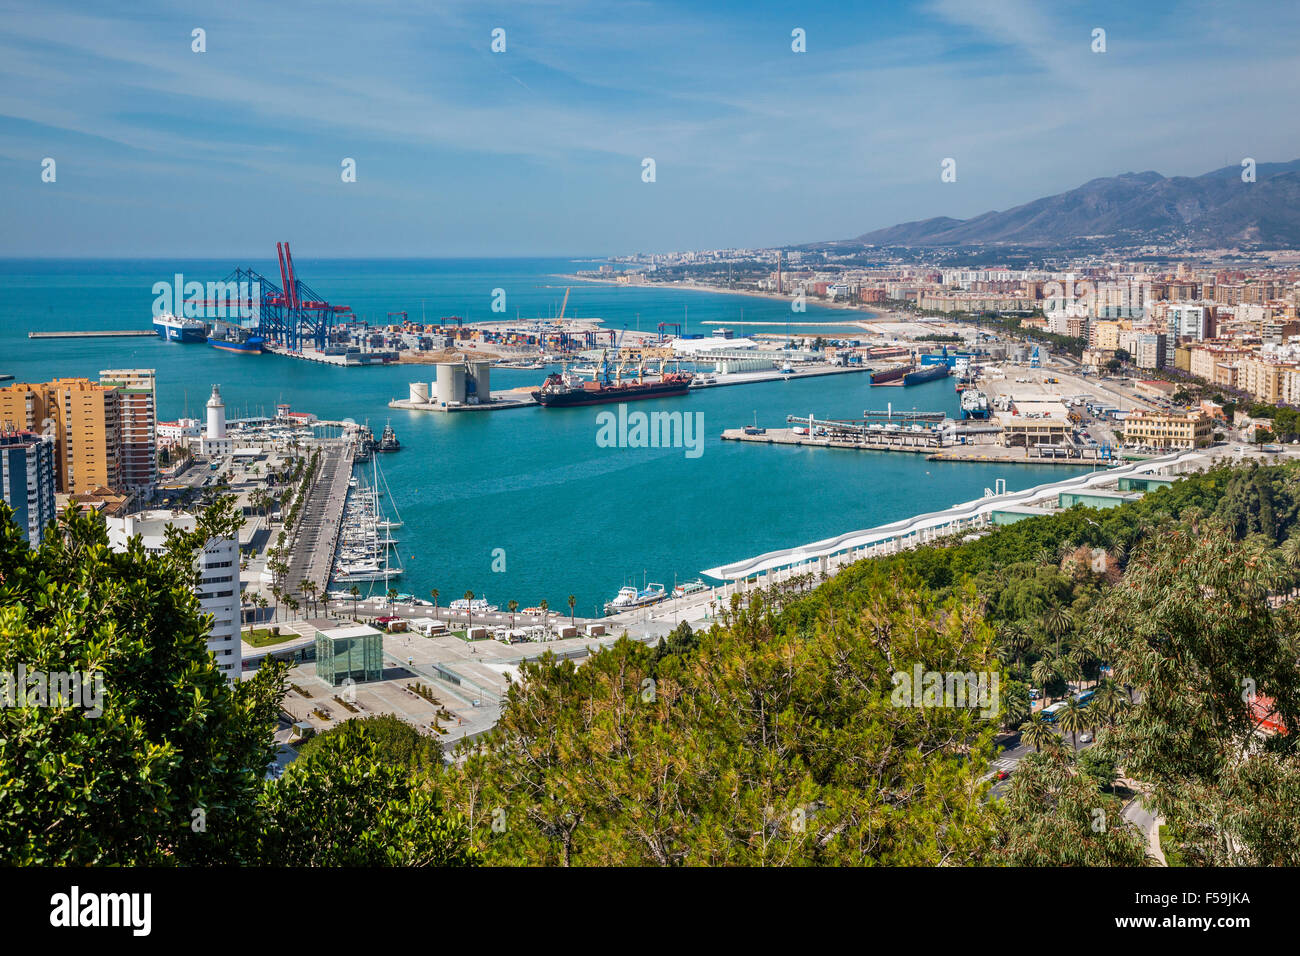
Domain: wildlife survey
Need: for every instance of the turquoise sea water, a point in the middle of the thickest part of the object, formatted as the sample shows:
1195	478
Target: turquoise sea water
572	517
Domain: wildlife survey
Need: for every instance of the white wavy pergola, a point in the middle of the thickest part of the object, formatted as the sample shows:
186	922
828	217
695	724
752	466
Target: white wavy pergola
923	527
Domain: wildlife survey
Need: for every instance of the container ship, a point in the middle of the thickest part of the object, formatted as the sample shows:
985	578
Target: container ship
240	341
173	329
560	391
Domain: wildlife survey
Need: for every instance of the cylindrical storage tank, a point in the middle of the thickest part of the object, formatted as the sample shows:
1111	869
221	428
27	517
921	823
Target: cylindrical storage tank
481	381
419	392
451	383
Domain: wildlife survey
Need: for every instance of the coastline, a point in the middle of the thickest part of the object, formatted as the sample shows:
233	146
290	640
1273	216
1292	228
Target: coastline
867	315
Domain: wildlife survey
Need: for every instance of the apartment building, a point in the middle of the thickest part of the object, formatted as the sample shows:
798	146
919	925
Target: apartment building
84	420
139	423
1168	429
219	589
1263	378
27	481
1149	350
1205	357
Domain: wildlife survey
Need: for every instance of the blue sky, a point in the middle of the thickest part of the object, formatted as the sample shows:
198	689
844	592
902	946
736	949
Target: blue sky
161	151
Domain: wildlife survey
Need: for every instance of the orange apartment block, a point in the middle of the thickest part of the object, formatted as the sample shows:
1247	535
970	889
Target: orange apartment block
86	421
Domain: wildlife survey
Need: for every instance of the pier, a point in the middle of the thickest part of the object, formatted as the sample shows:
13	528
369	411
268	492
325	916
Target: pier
317	534
102	334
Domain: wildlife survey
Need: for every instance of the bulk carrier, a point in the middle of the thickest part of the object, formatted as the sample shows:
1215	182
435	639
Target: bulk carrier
561	390
910	374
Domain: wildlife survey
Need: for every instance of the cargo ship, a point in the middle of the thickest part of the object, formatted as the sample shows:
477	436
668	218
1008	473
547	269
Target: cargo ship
173	329
891	376
561	391
926	373
974	404
234	339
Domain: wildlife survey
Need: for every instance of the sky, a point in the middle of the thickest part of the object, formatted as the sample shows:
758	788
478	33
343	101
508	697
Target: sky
538	150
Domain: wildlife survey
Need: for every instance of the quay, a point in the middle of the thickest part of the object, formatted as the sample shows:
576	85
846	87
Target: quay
317	534
725	379
499	401
351	359
102	334
928	443
915	442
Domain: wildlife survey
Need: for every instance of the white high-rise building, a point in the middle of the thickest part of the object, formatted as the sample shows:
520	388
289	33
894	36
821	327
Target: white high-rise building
218	591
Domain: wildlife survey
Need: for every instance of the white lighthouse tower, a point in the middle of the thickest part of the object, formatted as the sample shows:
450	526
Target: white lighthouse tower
215	442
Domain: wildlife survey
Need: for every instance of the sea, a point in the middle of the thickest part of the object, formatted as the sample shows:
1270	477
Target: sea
523	504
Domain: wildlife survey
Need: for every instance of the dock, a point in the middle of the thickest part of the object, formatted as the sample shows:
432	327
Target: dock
317	535
500	401
914	442
927	442
723	380
101	334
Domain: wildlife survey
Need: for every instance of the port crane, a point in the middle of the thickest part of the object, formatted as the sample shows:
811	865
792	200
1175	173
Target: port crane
291	314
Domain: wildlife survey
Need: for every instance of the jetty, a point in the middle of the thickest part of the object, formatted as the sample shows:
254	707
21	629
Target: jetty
100	334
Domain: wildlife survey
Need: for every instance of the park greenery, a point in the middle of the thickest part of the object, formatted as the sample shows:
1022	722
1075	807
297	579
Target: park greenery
774	737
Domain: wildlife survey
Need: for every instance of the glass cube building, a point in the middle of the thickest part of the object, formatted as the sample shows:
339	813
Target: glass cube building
355	652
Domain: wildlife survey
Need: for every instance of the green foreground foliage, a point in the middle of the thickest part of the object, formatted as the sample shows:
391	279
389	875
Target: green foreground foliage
174	770
777	737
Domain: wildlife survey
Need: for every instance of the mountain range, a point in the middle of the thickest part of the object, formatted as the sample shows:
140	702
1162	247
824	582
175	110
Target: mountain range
1215	210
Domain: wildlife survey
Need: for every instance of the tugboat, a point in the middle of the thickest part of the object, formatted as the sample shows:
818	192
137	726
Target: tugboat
388	440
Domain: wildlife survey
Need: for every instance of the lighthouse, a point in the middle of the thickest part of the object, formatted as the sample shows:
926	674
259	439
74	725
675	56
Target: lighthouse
215	442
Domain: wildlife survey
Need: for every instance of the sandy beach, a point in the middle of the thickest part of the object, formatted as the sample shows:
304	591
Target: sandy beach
868	315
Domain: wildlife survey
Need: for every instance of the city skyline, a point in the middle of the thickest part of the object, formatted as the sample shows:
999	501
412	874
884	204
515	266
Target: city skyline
538	150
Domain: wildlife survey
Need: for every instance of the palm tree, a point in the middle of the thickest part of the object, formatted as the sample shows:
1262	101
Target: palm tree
572	617
1289	554
262	603
324	602
1036	732
1110	701
1015	641
277	594
512	606
392	595
308	589
433	593
469	611
545	606
1043	673
1058	621
356	596
1074	719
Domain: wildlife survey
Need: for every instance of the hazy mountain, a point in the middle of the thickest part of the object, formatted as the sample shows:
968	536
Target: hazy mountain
1213	210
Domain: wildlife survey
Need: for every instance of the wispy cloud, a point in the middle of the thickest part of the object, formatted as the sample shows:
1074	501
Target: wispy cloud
755	144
